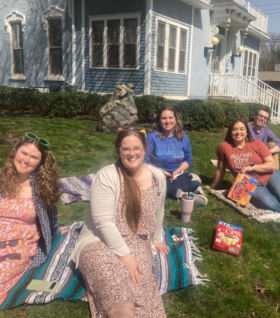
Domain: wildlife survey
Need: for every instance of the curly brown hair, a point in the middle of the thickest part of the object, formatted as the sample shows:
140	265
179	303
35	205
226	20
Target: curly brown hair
47	187
132	190
178	129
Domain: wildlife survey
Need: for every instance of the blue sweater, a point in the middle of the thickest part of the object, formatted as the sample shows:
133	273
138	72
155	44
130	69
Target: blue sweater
168	153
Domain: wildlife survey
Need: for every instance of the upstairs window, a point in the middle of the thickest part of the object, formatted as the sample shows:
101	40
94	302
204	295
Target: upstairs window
55	48
250	63
115	41
171	46
17	47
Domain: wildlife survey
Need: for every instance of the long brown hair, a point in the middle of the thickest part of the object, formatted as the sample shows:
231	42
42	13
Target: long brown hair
132	191
248	138
178	129
47	187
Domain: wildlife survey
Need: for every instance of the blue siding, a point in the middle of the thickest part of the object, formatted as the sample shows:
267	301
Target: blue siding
106	80
252	42
200	66
235	67
167	83
35	46
78	45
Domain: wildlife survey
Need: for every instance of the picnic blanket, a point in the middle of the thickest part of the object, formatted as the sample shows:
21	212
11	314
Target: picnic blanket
173	271
76	189
250	210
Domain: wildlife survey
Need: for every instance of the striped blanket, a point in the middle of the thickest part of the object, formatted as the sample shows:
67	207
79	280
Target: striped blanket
173	271
76	189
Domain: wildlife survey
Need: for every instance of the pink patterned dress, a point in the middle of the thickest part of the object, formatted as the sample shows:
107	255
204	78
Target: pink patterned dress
18	220
107	280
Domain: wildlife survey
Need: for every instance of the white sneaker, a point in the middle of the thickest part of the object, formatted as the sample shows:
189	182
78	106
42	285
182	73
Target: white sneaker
200	199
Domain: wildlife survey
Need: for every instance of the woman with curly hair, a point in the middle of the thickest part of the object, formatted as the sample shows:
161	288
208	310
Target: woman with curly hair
170	150
29	194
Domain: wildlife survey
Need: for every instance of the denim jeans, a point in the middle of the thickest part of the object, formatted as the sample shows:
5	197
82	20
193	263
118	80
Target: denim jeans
185	183
268	197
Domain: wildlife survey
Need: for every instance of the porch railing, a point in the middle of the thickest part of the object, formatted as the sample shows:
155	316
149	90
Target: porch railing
262	20
246	89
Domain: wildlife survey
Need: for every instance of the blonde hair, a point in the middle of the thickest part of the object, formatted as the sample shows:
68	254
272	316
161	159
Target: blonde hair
47	187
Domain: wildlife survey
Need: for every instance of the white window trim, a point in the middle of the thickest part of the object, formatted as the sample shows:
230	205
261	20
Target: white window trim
257	61
54	12
14	17
179	26
121	17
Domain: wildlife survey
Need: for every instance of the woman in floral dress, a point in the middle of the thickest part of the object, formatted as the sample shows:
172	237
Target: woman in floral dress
120	235
29	193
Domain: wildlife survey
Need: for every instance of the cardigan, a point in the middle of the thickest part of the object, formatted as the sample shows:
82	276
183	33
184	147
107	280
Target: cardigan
47	217
100	222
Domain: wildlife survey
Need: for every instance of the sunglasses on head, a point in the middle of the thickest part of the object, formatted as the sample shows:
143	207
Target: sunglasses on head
125	128
42	141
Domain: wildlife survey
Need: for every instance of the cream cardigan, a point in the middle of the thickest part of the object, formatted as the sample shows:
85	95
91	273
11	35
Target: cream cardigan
100	221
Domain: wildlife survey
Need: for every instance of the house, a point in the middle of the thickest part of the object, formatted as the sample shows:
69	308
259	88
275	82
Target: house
271	78
162	47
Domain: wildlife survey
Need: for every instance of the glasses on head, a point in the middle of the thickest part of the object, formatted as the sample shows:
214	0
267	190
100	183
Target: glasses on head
262	117
127	151
42	141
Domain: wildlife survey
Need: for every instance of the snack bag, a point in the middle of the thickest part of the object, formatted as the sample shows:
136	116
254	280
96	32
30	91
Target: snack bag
228	238
242	189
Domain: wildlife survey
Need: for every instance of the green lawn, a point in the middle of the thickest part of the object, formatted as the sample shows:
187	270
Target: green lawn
79	150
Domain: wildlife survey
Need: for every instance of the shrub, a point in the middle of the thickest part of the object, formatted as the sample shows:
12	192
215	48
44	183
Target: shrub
148	106
203	115
233	110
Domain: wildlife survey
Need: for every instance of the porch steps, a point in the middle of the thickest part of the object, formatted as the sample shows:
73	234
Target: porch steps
246	90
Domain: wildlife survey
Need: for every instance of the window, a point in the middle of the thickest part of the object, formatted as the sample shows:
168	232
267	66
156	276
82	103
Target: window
183	50
171	46
216	58
160	45
55	48
250	63
115	41
130	43
17	47
97	43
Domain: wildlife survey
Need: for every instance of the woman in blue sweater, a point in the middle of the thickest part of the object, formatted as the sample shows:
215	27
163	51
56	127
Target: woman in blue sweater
170	150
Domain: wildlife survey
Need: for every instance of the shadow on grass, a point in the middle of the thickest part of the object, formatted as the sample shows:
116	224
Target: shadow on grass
223	185
176	213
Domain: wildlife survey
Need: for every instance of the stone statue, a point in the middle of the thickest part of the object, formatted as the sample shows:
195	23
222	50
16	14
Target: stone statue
119	111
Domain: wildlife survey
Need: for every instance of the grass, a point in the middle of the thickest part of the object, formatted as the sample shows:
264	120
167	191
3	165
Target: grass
80	150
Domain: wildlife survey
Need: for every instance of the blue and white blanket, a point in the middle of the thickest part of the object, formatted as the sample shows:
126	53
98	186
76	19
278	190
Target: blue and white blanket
173	271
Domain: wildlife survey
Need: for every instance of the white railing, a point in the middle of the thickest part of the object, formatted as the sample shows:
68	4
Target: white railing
249	90
262	20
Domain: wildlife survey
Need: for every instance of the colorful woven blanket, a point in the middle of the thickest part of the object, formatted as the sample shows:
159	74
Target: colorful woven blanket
173	271
250	210
76	189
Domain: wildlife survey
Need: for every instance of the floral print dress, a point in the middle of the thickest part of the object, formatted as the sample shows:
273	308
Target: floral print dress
18	220
107	279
